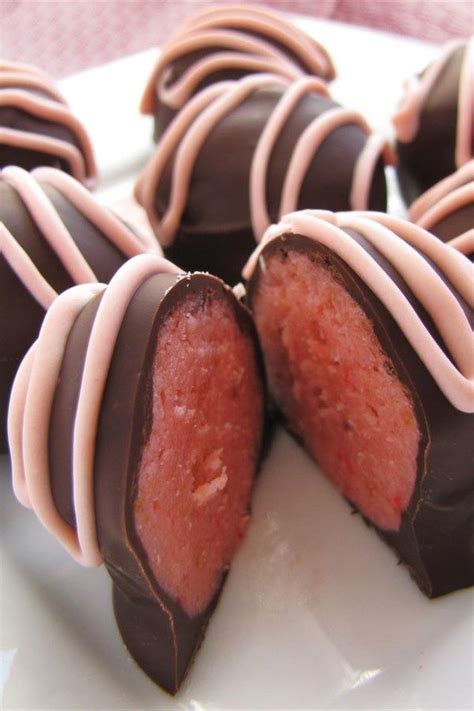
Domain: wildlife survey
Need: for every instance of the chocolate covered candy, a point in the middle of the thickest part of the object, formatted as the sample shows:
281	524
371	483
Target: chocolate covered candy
136	439
53	234
242	153
365	322
37	128
435	122
447	209
228	42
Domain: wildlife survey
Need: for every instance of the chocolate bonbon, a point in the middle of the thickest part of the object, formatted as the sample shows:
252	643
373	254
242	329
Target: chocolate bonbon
145	467
37	128
435	122
228	42
365	322
242	153
53	234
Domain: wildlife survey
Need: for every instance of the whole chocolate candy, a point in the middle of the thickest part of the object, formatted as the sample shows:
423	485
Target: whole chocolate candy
242	153
146	467
228	42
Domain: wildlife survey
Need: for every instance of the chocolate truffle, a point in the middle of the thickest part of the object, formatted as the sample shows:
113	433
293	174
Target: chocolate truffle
447	209
242	153
144	466
37	128
435	122
228	42
365	323
53	234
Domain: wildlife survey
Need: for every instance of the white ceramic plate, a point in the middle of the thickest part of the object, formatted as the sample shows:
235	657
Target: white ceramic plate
315	613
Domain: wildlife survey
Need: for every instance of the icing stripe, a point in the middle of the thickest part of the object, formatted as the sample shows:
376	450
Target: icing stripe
424	283
261	157
456	269
105	220
431	197
49	223
25	269
454	201
306	146
182	90
464	243
29	417
27	80
33	395
147	183
376	146
456	382
62	150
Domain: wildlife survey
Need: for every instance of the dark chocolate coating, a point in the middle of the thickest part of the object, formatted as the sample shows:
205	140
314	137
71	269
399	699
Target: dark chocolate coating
435	539
430	156
159	634
217	213
20	314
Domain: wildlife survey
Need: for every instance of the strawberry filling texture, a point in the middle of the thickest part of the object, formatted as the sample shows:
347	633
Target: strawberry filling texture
197	466
336	385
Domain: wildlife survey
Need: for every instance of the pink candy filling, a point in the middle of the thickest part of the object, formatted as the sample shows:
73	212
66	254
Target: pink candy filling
197	467
337	387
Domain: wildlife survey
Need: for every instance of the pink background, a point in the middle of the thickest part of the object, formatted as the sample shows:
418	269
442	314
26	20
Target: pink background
66	36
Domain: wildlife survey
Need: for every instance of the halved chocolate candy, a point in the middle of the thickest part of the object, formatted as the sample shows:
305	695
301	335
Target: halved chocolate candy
152	406
365	324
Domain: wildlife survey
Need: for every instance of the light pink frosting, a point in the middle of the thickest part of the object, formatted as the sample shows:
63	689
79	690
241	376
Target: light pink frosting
29	187
17	85
400	242
246	38
444	198
417	89
33	394
192	126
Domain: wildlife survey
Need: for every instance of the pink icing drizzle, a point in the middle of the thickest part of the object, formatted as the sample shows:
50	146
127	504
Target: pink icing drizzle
33	394
16	84
193	125
54	231
231	28
464	243
396	239
441	190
